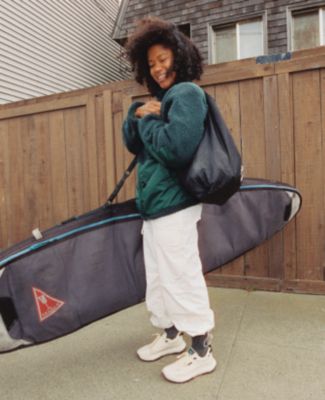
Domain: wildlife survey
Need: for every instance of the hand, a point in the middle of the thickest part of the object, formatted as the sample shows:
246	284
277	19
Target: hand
150	107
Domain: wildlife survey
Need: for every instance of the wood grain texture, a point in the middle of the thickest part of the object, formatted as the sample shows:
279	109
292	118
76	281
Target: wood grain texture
273	165
93	133
254	157
287	168
109	142
309	173
228	101
58	159
120	152
17	207
4	185
74	161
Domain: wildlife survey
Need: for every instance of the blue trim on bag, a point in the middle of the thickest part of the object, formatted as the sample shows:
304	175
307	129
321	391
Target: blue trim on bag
269	186
43	243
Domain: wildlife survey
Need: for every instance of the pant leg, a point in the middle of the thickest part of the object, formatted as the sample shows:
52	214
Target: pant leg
183	288
154	296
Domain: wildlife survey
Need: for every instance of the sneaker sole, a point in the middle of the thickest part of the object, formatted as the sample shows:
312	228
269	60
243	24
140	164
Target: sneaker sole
190	379
163	355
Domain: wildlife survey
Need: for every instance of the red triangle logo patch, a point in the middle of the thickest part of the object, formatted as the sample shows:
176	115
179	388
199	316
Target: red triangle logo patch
46	305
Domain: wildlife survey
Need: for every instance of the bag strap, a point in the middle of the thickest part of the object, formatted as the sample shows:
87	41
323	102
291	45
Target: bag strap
121	182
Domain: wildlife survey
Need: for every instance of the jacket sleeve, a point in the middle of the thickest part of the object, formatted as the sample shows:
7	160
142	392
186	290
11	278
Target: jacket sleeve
130	131
173	141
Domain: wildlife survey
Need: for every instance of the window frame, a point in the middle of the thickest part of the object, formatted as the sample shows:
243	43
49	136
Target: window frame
235	22
291	11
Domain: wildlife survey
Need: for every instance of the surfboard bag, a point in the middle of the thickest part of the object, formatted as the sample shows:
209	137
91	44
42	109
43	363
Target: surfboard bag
92	265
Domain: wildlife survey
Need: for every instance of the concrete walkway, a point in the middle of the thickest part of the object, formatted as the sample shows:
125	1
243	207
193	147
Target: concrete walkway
269	346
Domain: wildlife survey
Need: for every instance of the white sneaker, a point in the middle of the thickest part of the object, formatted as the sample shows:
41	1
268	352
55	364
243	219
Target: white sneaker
189	365
162	346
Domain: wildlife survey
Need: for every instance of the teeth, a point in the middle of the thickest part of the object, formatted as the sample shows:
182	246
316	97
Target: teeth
161	77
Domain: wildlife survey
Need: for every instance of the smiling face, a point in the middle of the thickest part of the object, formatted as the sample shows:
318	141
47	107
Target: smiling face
160	61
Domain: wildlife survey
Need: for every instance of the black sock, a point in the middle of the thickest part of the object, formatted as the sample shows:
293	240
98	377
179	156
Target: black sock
200	344
171	332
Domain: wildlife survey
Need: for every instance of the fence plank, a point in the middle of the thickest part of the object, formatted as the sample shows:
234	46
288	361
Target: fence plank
234	71
30	167
4	185
42	168
309	174
271	128
131	181
109	142
119	146
322	99
227	97
273	165
287	169
302	63
58	159
253	148
244	282
17	205
88	184
74	167
43	106
92	161
99	151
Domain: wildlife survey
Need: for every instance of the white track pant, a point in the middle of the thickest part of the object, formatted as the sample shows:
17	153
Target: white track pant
176	289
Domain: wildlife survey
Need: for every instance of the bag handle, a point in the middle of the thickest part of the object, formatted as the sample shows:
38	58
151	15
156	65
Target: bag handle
121	182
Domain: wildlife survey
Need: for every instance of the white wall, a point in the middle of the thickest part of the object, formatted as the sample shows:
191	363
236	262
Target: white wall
51	46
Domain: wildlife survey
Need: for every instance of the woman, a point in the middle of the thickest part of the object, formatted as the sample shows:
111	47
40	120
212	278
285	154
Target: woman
165	133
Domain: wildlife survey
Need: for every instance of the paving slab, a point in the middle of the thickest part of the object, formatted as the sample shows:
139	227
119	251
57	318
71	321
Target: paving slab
270	372
285	319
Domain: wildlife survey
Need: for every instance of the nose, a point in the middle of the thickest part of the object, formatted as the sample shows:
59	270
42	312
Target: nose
157	68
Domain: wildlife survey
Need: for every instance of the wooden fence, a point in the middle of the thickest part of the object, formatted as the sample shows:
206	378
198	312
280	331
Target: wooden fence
61	155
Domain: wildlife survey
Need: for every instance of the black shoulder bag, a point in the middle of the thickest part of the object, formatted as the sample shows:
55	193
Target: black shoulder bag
215	172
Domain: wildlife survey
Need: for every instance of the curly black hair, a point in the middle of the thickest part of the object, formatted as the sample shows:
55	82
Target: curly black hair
188	63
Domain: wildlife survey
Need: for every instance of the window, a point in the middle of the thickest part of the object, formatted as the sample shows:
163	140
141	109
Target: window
185	28
236	41
307	28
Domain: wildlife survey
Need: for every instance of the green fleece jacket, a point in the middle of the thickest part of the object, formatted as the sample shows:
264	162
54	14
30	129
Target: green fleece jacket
165	144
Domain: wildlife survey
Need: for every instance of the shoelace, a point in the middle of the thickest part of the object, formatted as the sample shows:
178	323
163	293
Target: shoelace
185	354
187	358
158	337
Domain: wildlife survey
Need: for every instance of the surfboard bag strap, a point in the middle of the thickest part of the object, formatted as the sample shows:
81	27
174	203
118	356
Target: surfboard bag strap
215	172
122	181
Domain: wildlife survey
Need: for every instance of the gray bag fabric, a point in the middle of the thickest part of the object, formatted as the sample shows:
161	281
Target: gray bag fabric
92	265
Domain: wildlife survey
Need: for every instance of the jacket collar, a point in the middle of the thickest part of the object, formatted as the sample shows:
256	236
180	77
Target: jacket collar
161	93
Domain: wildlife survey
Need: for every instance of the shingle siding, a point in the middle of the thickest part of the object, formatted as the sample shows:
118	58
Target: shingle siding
200	13
53	46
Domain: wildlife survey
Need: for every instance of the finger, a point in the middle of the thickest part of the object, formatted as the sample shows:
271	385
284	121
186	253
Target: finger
153	103
154	109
